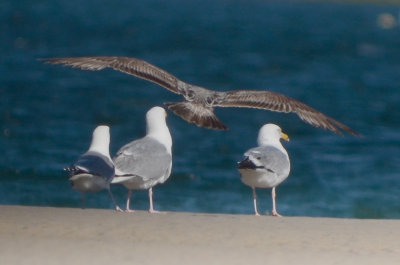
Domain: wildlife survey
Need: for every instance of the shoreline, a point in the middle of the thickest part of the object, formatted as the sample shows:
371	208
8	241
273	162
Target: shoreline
47	235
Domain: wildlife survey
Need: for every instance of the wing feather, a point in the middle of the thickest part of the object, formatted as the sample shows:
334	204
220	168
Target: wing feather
131	66
278	102
145	158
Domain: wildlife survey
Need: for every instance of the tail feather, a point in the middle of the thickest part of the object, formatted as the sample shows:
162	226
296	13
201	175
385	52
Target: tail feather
197	114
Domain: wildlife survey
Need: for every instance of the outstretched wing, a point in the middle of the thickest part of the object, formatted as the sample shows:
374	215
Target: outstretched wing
277	102
197	113
131	66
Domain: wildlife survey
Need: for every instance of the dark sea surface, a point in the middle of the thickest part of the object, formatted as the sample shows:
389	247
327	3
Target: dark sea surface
342	59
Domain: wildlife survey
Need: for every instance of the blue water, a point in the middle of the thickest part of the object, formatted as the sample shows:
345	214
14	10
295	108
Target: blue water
335	57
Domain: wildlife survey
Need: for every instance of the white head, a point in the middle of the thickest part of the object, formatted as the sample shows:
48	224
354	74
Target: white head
101	140
157	126
270	134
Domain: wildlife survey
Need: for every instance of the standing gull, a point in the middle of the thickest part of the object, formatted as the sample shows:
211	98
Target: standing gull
199	102
94	170
267	165
146	162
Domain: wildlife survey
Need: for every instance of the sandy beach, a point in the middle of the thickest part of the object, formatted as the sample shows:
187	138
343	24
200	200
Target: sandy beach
45	235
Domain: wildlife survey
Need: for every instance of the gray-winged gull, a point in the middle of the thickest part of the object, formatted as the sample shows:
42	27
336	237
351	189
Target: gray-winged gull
267	165
199	103
94	170
145	162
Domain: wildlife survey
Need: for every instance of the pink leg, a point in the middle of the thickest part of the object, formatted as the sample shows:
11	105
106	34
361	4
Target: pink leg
128	202
151	209
255	202
274	212
115	204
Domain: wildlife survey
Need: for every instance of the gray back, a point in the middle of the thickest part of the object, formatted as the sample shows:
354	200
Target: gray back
271	158
145	157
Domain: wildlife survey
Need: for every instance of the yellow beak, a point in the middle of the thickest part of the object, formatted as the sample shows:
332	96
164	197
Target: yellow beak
285	137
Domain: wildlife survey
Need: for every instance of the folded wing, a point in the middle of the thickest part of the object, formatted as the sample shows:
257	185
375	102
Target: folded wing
145	158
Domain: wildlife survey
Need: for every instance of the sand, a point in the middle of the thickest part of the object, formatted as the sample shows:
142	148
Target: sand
45	235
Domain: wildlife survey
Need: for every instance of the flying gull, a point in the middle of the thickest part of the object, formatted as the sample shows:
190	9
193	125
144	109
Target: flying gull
199	102
146	162
94	170
267	165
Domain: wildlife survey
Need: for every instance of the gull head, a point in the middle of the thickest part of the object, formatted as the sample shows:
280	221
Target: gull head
270	134
101	140
157	126
155	119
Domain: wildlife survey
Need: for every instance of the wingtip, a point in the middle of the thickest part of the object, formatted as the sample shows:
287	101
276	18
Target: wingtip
340	128
354	133
341	131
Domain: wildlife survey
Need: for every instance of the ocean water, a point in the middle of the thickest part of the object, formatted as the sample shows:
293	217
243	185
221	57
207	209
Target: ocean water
340	58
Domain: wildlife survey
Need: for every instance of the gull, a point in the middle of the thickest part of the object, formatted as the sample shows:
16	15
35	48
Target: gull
146	162
267	165
199	102
94	170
